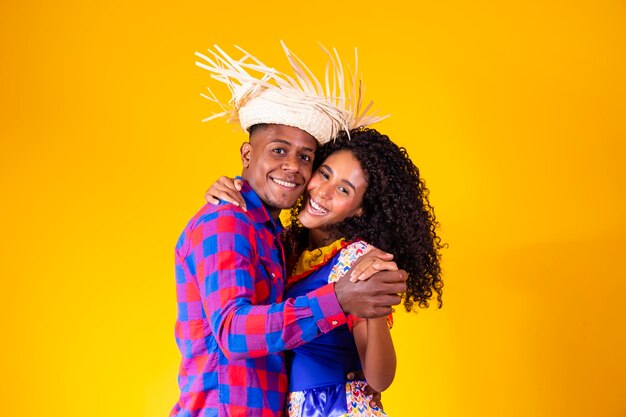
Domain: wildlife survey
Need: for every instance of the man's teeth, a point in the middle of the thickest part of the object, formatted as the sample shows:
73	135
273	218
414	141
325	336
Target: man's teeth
317	207
284	183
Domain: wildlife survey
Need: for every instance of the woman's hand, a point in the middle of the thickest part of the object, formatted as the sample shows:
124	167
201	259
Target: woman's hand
376	400
228	190
373	261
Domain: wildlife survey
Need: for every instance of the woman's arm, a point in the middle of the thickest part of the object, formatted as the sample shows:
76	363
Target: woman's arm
376	351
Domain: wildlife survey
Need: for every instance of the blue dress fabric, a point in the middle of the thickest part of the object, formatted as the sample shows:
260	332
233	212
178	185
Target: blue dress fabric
318	370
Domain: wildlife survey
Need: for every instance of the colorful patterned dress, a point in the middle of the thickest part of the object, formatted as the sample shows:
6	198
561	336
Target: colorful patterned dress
317	370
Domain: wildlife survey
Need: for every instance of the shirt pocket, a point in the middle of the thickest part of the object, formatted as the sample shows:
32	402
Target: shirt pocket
270	282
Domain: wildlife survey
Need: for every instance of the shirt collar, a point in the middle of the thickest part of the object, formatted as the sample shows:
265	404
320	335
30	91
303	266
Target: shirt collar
256	208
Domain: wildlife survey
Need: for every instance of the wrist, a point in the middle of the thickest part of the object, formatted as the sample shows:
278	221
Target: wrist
378	321
344	303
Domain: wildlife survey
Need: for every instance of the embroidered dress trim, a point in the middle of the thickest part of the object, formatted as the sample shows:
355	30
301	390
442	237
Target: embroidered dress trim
307	403
311	261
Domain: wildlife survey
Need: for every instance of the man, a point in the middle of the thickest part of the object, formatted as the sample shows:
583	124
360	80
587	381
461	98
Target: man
233	324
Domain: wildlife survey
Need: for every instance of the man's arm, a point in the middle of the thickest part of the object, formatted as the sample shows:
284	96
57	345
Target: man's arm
223	252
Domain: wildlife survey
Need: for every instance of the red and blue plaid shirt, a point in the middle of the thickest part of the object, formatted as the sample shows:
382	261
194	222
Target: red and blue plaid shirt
233	324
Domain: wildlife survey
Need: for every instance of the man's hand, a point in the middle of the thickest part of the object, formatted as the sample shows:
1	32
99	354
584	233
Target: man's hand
226	189
372	298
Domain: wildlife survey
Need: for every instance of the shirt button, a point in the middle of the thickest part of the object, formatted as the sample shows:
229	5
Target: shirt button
334	322
273	275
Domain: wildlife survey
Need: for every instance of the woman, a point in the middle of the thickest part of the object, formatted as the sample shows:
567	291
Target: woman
365	191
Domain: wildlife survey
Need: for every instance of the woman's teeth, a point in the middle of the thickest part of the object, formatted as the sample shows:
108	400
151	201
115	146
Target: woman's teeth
317	207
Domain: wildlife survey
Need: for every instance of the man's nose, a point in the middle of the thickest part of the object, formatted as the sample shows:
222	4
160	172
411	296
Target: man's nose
290	163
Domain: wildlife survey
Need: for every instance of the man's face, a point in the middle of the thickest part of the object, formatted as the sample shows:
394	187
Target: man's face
277	163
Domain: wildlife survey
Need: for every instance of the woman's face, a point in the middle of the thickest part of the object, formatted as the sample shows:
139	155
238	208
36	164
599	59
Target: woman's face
335	191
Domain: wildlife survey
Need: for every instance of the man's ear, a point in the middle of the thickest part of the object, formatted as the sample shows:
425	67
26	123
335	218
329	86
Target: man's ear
246	153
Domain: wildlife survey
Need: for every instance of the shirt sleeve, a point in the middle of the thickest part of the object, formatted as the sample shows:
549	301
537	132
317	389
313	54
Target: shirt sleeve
224	254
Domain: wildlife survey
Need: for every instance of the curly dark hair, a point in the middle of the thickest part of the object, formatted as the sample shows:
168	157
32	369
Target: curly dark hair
397	215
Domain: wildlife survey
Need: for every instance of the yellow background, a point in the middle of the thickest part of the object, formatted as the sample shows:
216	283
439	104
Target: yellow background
515	114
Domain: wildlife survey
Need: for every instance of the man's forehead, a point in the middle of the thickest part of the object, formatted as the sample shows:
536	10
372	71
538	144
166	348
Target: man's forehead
284	135
295	143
